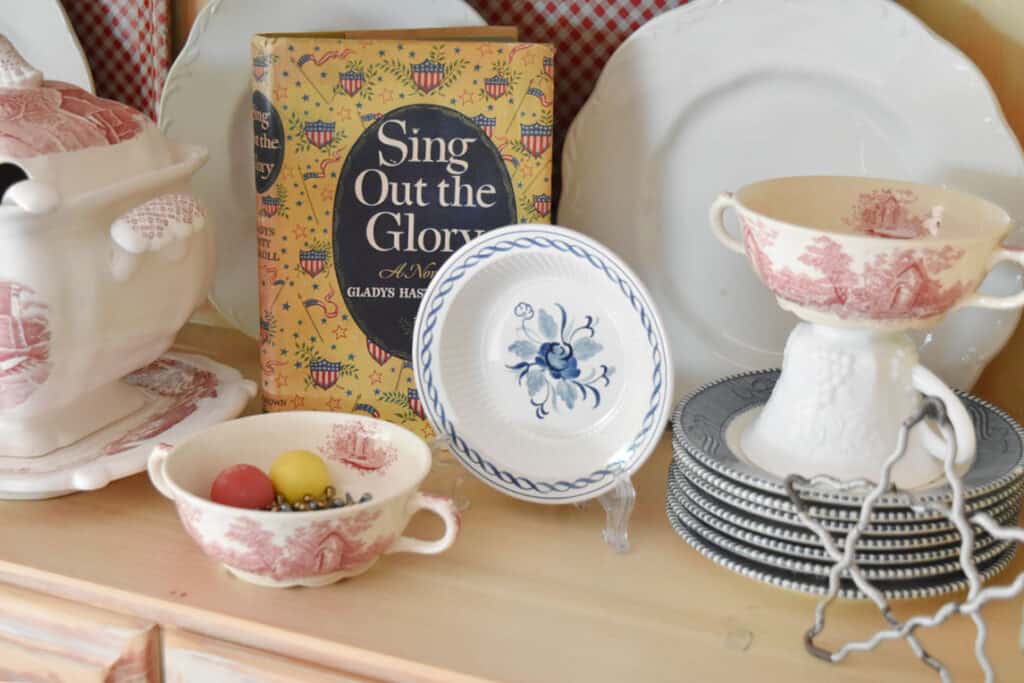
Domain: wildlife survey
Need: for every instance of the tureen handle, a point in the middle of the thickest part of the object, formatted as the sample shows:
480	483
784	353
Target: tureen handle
162	224
718	207
1013	255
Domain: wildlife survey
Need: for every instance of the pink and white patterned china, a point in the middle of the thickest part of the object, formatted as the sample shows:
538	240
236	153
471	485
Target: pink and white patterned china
311	548
183	393
103	256
861	260
867	252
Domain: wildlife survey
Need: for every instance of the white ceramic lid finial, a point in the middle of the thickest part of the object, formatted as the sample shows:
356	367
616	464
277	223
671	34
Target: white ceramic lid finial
15	72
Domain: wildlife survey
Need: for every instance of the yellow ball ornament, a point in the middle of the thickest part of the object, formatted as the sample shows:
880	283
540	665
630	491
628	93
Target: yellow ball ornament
299	473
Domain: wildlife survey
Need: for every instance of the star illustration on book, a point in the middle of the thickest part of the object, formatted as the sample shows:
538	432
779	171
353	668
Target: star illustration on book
387	95
485	50
340	332
280	93
300	232
344	114
326	193
376	377
298	402
466	97
334	403
282	381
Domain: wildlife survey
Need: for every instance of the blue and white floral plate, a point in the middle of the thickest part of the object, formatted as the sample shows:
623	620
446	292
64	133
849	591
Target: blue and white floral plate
542	360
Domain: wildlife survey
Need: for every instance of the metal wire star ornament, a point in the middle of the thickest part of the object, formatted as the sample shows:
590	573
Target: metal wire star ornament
976	597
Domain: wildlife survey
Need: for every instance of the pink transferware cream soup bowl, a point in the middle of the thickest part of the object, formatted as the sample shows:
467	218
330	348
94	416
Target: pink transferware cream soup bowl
311	548
849	251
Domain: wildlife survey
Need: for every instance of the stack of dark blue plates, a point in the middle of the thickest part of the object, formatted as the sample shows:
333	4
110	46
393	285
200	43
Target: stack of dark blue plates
739	516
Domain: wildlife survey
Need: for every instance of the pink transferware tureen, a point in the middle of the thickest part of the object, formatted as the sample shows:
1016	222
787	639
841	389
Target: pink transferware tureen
103	256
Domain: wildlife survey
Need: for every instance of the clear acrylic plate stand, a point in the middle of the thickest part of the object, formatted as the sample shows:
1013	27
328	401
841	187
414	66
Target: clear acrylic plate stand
447	477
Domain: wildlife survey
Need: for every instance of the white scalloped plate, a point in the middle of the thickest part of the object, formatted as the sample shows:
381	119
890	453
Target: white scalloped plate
43	34
719	93
207	101
541	358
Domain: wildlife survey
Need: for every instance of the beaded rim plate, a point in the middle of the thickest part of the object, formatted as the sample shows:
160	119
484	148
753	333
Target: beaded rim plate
794	581
900	528
685	462
541	360
886	536
820	564
817	552
701	420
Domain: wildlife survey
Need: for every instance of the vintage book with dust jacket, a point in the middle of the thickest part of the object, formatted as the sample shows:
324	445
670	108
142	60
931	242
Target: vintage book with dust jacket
377	155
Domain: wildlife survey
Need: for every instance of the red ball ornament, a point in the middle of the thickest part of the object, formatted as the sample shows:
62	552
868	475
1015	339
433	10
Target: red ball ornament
242	486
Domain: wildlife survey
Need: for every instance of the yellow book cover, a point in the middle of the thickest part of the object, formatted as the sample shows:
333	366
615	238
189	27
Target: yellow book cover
375	159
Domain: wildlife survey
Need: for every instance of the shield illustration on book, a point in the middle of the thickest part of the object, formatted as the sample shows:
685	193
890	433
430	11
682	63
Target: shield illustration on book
536	137
312	261
270	205
427	75
377	353
495	86
324	373
351	82
542	203
413	399
486	123
259	67
319	133
549	67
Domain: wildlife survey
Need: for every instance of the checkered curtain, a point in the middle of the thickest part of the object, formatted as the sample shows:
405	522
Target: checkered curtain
127	43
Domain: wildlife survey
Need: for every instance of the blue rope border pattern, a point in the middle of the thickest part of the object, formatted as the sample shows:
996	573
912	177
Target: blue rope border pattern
464	450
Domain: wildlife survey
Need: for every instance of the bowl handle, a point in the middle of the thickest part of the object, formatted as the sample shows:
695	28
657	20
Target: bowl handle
999	302
718	207
155	467
443	508
927	382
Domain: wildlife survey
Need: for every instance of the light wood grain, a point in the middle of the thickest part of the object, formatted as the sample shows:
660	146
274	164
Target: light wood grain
528	593
189	657
43	638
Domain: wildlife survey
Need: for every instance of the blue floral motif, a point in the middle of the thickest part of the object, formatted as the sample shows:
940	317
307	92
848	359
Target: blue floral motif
550	353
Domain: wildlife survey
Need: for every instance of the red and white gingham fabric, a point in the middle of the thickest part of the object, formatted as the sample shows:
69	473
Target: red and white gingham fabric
585	34
127	43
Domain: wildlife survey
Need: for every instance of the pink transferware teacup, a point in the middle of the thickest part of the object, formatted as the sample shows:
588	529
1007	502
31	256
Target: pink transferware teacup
848	251
311	548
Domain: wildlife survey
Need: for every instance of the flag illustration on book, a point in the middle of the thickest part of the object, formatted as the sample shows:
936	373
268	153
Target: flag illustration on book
549	67
413	399
536	137
427	75
377	353
319	133
351	82
371	117
541	96
495	86
312	261
542	203
324	373
486	123
365	408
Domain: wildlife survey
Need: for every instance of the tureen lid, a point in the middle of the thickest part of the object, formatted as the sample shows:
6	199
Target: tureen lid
39	117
